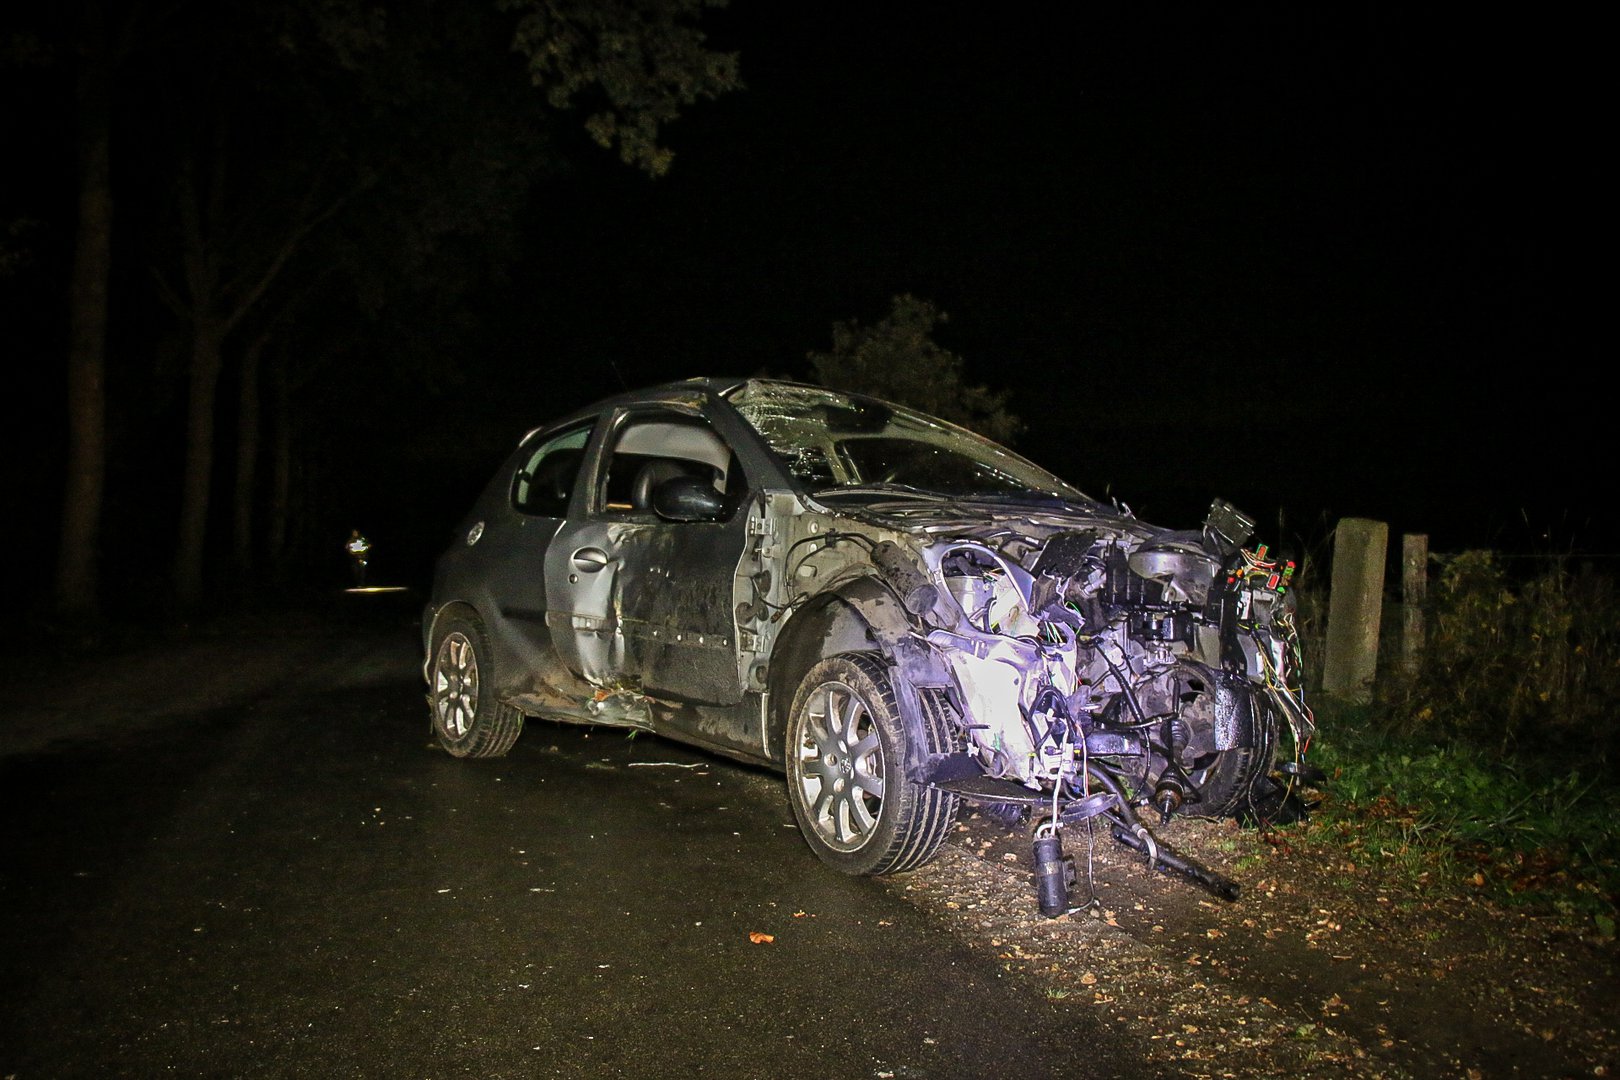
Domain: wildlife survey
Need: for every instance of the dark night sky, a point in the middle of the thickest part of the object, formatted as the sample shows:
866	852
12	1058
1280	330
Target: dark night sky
1337	262
1320	261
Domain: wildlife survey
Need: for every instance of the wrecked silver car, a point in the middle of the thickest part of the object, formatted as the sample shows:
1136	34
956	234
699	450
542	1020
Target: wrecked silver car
895	612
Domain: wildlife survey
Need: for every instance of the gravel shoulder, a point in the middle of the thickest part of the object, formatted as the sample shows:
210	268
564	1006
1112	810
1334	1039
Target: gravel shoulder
1321	968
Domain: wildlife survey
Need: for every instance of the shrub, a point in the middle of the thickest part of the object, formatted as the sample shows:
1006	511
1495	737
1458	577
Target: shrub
1528	664
1492	751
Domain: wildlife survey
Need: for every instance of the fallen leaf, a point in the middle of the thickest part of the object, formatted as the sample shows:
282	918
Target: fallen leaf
760	939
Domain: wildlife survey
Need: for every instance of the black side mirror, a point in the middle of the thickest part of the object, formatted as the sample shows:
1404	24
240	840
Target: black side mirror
688	498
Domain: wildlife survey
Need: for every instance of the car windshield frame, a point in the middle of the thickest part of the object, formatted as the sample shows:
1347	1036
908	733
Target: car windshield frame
830	442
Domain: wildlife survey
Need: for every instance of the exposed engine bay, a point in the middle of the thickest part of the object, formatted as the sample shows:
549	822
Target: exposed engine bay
1096	673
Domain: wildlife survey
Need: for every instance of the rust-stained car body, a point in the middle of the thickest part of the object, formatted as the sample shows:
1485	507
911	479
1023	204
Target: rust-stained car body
895	612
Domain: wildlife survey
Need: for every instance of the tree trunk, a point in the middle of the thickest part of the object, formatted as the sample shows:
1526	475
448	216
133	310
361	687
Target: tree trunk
77	581
281	463
206	359
247	454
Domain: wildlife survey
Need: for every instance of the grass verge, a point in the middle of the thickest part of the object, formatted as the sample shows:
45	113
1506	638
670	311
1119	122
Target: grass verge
1528	829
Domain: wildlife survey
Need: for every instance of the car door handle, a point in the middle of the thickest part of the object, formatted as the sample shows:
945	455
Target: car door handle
589	560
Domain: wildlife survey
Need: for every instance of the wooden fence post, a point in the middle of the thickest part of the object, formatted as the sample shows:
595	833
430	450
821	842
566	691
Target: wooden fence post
1414	593
1355	608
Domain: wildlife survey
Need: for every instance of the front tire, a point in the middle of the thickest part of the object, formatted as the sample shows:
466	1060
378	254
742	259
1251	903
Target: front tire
847	744
467	719
1231	783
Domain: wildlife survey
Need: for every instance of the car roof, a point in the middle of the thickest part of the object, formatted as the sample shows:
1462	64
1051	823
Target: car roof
709	385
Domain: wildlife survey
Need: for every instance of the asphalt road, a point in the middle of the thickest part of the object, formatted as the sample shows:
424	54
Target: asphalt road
298	883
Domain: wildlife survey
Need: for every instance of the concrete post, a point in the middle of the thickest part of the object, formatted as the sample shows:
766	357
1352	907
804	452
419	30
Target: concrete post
1414	593
1355	607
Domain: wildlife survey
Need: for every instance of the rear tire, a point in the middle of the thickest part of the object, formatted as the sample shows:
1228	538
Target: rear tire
467	718
847	745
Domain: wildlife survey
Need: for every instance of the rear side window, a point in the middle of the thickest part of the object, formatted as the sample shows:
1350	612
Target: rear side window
545	483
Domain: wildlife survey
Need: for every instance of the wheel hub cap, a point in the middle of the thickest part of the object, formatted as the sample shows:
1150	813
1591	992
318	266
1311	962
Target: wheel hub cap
840	773
455	685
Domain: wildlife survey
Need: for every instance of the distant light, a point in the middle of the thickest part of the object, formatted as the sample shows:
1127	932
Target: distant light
380	589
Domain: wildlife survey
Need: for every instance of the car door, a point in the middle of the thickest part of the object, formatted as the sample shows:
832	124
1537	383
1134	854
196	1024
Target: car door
513	545
652	601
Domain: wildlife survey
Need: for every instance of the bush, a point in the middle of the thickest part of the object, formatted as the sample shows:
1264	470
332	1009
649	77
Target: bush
1523	665
1492	751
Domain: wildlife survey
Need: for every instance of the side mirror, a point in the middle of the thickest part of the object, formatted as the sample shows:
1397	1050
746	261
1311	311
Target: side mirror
688	498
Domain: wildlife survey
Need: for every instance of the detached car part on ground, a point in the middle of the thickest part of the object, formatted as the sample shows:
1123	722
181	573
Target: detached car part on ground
895	612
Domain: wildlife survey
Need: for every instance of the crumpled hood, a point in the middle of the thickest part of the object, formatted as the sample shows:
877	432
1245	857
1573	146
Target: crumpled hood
1038	519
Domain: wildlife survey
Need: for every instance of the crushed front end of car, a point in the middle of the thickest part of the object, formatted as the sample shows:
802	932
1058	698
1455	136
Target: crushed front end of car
1108	676
1045	651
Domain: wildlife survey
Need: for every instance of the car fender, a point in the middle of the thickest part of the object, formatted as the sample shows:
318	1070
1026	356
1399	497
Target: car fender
857	614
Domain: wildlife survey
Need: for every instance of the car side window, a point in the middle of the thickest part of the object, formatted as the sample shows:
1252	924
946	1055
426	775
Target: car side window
546	481
655	447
